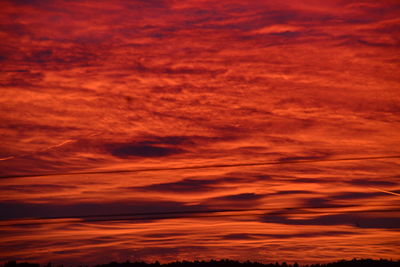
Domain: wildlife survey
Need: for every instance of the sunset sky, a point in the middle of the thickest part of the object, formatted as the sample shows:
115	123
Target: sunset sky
133	130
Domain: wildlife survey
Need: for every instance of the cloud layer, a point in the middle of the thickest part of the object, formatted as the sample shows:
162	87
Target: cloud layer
165	84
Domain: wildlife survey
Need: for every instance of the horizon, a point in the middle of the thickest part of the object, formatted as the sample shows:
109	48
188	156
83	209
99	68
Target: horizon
344	262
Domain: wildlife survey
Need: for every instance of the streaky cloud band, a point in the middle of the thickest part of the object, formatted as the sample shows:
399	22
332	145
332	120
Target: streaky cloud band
206	166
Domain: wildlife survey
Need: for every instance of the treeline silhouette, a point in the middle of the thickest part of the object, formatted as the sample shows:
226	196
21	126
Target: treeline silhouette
229	263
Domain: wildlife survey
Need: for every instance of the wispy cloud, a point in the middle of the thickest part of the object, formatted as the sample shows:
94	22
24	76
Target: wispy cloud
175	105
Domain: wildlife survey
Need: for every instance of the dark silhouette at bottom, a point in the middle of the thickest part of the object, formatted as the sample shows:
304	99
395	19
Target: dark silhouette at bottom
229	263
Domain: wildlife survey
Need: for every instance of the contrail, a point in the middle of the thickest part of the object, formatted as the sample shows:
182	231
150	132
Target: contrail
7	158
48	148
203	166
58	145
39	151
385	191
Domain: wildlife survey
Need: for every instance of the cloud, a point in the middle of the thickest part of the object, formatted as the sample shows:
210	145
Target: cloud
358	195
17	210
355	220
277	29
169	140
239	197
242	200
184	83
367	182
257	236
311	155
138	150
33	3
291	192
37	188
186	185
165	235
322	202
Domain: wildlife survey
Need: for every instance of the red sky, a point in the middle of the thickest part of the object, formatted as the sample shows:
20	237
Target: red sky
94	87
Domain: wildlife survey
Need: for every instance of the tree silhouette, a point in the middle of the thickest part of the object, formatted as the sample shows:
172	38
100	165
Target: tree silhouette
230	263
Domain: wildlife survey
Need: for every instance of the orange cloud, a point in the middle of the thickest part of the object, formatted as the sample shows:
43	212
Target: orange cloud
166	85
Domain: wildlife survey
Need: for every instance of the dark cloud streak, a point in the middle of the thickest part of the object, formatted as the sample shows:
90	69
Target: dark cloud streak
203	167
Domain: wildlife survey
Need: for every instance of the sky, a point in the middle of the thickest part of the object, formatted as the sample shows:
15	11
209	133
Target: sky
194	130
